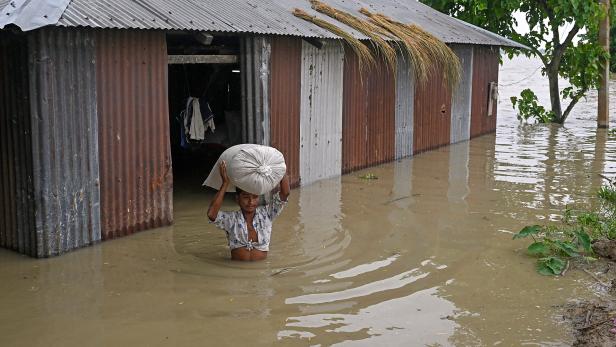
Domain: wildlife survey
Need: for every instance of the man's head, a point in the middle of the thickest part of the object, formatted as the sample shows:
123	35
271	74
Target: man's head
248	202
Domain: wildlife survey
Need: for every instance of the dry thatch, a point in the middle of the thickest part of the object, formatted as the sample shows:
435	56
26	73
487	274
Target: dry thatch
363	53
426	52
382	47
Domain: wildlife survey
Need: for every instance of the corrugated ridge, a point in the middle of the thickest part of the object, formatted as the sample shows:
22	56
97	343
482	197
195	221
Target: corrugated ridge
405	104
354	116
135	157
462	97
321	111
432	127
258	17
381	115
485	70
16	191
369	116
285	80
65	132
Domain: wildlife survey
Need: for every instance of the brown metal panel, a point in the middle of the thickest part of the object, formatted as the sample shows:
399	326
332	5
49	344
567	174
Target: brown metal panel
17	230
381	115
285	82
368	115
485	70
135	157
354	116
432	122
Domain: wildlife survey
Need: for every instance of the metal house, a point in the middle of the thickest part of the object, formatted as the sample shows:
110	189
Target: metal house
89	91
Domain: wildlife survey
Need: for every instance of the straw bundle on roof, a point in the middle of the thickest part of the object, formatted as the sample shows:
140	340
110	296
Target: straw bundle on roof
372	31
363	53
426	52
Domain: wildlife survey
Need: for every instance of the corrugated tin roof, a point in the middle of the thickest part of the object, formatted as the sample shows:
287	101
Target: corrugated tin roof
251	16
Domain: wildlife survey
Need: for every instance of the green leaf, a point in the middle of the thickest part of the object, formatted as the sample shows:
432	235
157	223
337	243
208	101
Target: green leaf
556	264
543	269
584	240
567	247
538	248
527	231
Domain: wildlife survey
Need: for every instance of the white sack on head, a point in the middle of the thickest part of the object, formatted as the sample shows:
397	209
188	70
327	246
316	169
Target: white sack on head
253	168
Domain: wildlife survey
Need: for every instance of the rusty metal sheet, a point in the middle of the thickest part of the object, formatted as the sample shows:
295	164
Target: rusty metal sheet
135	156
369	116
321	111
432	121
17	229
381	115
64	139
285	80
354	116
485	70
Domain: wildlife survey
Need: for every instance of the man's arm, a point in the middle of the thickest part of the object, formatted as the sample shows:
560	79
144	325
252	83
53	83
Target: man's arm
285	188
212	211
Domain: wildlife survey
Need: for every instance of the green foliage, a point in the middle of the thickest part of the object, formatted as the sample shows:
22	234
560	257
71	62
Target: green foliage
577	62
529	108
554	245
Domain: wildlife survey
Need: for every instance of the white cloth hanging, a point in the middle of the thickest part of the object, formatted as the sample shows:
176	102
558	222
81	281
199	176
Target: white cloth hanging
196	131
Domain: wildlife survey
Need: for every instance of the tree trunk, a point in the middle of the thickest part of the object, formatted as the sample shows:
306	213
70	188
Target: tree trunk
555	94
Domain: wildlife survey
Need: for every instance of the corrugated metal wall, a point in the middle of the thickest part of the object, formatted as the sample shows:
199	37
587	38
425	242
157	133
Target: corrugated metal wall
369	116
255	60
135	158
17	229
461	102
485	70
432	117
321	111
285	81
381	115
405	104
64	139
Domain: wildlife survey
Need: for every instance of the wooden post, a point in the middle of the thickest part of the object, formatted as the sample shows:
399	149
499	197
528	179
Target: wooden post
604	40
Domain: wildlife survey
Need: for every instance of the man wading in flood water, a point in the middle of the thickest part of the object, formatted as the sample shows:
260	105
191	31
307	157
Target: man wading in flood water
249	229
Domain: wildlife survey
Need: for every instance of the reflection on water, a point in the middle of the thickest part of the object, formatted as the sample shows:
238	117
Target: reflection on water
421	256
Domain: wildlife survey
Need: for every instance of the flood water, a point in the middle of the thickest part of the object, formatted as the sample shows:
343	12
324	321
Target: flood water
421	256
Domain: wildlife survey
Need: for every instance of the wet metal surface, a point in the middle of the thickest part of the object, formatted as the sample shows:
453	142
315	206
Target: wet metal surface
421	256
285	82
17	230
432	115
368	115
462	96
485	70
321	111
135	158
64	139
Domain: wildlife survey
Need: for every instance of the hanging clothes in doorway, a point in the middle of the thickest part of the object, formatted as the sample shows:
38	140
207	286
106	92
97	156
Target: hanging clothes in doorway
196	119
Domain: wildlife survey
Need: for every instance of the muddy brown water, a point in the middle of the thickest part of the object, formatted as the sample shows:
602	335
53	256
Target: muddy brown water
421	256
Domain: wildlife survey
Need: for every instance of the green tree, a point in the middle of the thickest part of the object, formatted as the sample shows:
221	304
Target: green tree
578	62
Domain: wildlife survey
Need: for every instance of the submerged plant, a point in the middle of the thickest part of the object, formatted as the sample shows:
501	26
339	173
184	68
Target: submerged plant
555	245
